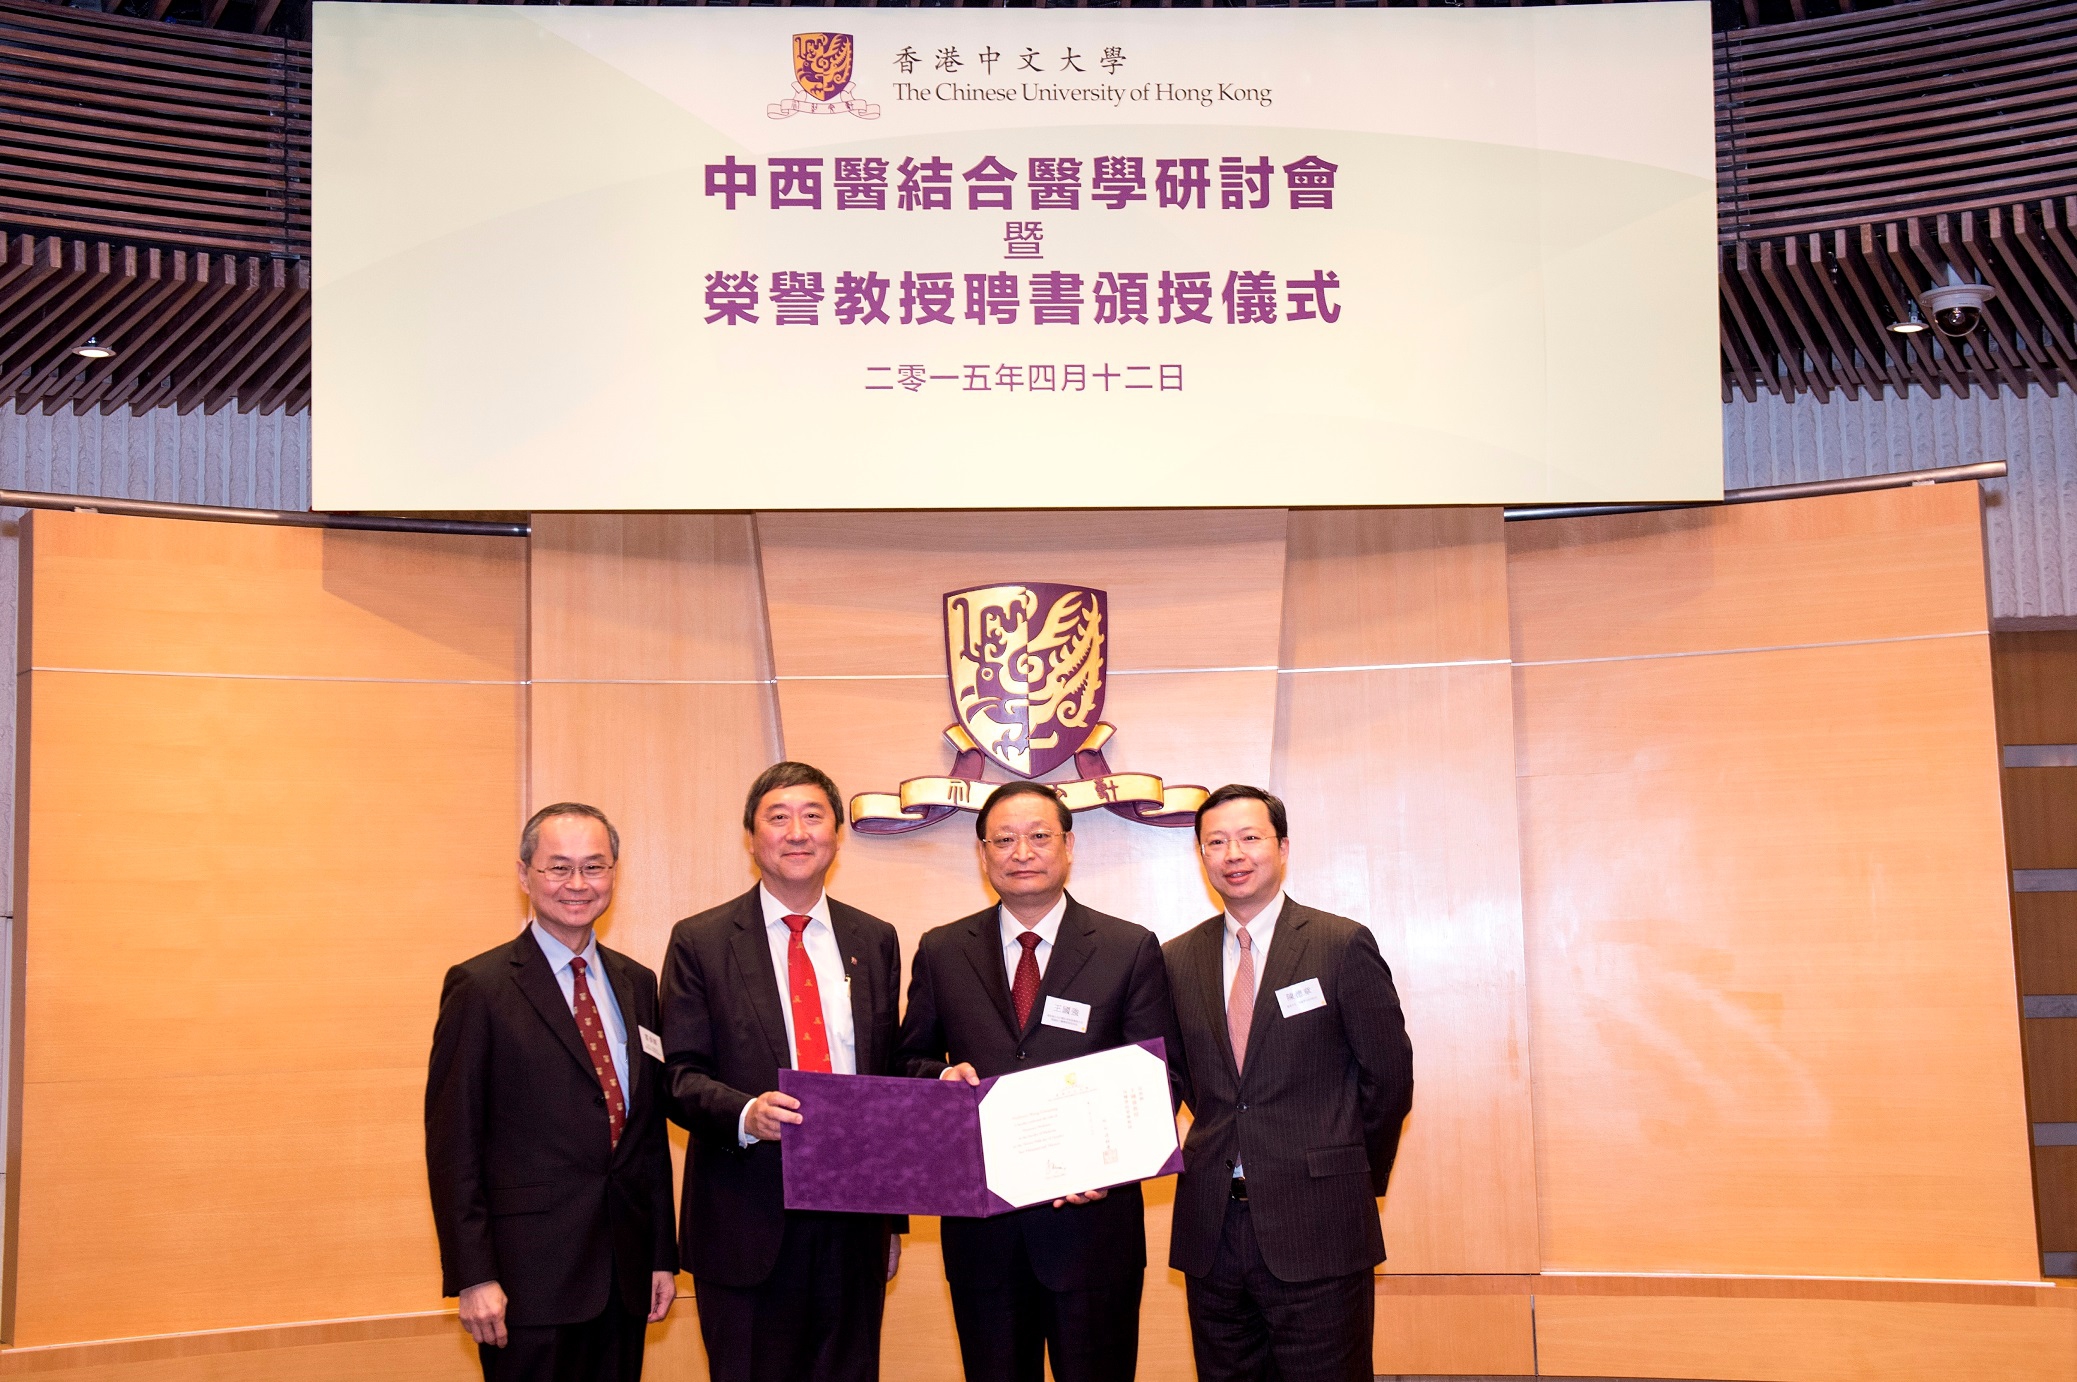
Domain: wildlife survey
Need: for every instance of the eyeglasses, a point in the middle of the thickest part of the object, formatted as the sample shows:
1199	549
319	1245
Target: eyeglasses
1247	839
563	873
1041	841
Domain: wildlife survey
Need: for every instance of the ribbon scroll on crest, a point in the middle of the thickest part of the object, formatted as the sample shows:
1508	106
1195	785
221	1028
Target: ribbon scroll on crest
924	801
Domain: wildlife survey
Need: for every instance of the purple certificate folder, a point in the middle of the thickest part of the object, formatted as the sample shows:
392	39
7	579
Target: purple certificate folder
872	1144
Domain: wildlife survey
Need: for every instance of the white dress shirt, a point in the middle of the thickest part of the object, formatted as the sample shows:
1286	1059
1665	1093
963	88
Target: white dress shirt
1260	931
1048	930
600	986
834	985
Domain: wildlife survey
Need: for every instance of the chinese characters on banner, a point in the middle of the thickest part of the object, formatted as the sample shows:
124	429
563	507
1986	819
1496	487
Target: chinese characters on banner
1309	256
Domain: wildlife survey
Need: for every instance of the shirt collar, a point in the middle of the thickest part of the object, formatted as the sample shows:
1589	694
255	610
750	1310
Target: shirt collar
1048	927
1261	928
776	912
559	955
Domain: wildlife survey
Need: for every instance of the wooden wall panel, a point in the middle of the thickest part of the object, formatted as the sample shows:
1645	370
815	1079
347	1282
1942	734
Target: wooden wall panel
410	1348
1770	958
1434	1335
242	891
232	599
2045	925
2041	817
1394	753
858	645
1803	1340
1897	564
2037	687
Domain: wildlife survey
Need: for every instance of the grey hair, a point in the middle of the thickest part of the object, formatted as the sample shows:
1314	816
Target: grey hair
530	838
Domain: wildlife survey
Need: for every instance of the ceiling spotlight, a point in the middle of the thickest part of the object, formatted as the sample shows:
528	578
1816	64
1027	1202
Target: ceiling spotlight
94	350
1912	323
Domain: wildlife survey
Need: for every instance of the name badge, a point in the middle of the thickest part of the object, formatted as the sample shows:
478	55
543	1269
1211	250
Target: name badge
1068	1016
1301	998
652	1044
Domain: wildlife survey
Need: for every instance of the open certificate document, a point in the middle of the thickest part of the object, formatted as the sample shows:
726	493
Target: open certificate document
875	1145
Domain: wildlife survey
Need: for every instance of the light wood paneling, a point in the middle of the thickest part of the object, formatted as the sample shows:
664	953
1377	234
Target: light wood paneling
2037	687
855	594
1401	790
669	765
646	597
241	893
2055	1183
420	1348
239	600
1849	568
1368	587
2046	927
1770	960
2051	1044
1803	1340
1433	1335
2041	817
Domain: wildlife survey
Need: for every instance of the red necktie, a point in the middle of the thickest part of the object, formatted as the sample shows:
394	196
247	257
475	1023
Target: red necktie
1024	989
593	1030
810	1038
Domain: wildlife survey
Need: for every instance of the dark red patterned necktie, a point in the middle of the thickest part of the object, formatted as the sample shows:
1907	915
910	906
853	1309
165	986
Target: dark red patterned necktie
810	1038
593	1030
1024	988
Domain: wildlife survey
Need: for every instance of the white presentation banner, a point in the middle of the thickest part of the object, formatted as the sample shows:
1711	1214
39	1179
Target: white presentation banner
636	258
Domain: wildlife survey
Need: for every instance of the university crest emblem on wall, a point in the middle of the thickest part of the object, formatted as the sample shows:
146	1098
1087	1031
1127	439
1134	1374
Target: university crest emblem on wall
1026	664
822	65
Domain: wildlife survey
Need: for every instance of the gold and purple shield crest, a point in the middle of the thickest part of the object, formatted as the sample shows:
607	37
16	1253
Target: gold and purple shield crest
1027	670
822	64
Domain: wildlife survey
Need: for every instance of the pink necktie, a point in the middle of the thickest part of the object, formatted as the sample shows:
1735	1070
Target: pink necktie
1240	1002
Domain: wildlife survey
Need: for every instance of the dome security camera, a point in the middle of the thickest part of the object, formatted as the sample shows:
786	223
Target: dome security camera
1957	308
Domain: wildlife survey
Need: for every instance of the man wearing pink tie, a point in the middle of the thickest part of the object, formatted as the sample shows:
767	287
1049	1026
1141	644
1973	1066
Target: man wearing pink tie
1294	1061
782	977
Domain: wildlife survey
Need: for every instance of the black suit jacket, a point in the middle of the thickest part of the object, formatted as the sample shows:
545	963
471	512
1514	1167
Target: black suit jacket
959	1010
528	1188
1315	1119
724	1035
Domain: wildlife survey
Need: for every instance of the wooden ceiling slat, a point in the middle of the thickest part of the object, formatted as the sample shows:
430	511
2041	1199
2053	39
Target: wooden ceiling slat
1846	364
1880	342
158	318
2039	324
1804	349
161	373
2060	318
2010	346
1926	343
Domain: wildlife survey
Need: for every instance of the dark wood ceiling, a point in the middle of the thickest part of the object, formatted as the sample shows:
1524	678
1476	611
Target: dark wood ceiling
155	193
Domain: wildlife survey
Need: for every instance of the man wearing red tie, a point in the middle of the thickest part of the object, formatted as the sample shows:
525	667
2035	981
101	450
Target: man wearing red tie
1036	979
1294	1061
782	977
545	1147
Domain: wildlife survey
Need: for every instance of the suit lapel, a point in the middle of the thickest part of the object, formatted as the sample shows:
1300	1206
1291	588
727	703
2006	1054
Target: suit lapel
851	949
984	953
753	954
537	981
1073	945
1287	946
1208	965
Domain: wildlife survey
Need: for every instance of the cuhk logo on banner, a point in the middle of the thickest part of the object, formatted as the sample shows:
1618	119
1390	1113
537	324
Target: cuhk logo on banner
1026	665
822	65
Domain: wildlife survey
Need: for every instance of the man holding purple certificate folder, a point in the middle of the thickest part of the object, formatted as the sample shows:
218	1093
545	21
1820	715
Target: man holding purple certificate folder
1036	980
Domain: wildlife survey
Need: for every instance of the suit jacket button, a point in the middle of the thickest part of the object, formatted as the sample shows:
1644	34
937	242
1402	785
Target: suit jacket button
1243	1108
1020	1055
